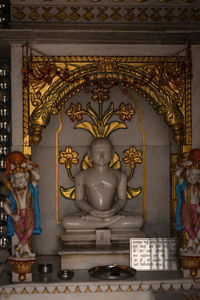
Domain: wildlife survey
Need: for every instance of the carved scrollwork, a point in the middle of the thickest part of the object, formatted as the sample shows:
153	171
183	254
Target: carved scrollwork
163	81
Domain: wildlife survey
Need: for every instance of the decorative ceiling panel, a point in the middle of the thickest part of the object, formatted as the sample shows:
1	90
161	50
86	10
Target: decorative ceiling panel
104	12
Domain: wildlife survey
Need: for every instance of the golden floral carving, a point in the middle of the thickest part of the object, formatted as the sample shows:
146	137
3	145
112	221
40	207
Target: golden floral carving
125	112
163	81
68	157
132	157
100	94
75	112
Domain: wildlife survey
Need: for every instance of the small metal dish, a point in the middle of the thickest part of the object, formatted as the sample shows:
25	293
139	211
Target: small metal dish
112	272
45	268
65	274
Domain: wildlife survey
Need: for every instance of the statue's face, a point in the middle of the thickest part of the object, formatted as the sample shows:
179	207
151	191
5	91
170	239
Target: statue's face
20	180
193	176
101	154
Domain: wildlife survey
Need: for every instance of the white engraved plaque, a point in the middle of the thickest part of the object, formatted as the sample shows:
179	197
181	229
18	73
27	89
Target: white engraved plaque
153	254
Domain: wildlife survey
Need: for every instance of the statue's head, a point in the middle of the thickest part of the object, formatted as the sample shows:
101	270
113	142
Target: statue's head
20	179
193	169
16	166
193	175
101	151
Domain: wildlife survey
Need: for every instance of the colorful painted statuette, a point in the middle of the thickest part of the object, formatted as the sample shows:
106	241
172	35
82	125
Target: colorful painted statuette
188	212
23	212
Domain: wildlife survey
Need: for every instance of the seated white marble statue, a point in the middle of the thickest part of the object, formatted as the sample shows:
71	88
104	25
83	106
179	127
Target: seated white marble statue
101	195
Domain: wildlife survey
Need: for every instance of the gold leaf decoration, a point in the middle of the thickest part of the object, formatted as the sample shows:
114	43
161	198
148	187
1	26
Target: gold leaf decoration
132	157
129	16
47	15
116	16
68	157
92	113
115	163
86	126
108	114
75	15
61	15
19	15
89	15
165	83
132	193
86	163
112	126
34	14
102	15
68	193
75	112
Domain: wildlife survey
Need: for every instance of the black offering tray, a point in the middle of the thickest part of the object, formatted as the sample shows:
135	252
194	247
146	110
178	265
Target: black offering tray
112	272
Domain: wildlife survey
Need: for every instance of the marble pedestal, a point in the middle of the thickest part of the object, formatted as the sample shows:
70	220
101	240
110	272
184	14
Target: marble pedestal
85	257
114	237
85	249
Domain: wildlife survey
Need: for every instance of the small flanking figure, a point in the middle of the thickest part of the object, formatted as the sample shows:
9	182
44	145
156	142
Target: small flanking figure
188	202
22	204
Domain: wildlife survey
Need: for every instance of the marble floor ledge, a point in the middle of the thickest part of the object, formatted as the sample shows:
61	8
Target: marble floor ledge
82	282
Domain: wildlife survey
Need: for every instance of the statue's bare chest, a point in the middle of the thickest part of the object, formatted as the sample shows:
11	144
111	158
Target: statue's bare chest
101	189
101	181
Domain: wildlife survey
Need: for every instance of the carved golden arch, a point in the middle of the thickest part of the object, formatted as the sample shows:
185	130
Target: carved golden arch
51	81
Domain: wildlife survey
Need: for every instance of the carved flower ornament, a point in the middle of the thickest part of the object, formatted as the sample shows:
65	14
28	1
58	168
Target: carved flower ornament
68	157
125	112
75	112
132	157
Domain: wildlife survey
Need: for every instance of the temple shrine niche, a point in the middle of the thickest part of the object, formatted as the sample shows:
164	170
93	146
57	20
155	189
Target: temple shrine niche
123	75
97	97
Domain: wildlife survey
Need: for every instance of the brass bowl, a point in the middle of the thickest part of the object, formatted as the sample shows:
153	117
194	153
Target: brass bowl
65	274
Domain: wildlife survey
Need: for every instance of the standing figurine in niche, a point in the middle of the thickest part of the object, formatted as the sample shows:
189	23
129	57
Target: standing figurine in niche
188	208
22	204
